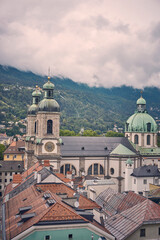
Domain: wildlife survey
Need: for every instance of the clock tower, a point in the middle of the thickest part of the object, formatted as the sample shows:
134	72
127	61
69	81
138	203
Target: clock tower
47	123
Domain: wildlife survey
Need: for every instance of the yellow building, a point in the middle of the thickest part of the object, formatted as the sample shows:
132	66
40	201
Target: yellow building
15	152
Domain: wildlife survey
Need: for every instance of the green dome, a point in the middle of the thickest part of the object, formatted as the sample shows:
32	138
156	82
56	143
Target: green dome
49	105
32	110
141	122
141	101
36	93
48	85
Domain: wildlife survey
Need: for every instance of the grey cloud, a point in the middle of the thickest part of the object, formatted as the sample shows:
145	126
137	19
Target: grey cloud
94	42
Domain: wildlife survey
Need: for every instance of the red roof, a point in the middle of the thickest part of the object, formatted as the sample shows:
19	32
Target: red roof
14	147
38	205
61	188
125	223
62	177
17	178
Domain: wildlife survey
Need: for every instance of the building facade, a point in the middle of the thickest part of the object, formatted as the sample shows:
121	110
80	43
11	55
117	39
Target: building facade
97	156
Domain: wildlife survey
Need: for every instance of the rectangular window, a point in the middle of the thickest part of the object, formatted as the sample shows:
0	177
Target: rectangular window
0	187
15	156
10	180
7	156
0	180
6	174
10	173
47	237
134	181
142	232
145	181
159	231
0	174
70	236
5	180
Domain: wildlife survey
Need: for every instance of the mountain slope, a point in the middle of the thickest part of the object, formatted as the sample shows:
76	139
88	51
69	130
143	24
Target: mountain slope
81	106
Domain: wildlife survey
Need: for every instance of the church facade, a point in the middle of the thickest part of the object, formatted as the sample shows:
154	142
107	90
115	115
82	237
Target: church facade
95	156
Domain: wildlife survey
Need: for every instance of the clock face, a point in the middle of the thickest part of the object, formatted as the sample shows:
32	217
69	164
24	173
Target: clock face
49	146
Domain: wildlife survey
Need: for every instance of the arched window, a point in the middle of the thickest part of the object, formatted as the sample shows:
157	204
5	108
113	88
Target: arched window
148	139
95	169
127	124
49	127
67	167
36	100
112	171
35	127
136	139
148	127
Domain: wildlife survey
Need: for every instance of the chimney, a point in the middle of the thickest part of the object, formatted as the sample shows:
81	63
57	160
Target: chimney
69	175
35	175
38	177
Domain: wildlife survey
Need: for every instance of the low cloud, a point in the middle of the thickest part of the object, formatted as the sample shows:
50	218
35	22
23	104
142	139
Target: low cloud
101	43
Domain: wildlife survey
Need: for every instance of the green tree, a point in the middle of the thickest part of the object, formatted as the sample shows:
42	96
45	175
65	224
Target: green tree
67	133
114	134
2	149
90	133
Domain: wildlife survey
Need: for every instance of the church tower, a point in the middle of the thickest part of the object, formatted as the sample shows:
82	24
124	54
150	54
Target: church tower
42	141
141	128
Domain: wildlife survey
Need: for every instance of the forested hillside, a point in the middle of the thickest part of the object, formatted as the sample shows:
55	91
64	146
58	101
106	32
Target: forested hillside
81	106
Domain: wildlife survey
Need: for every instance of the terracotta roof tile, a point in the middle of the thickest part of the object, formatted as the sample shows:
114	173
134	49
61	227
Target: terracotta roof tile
62	177
130	200
14	147
43	212
59	212
60	188
46	163
123	224
17	178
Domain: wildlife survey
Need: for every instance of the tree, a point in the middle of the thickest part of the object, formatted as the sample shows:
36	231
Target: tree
2	149
114	134
67	133
89	133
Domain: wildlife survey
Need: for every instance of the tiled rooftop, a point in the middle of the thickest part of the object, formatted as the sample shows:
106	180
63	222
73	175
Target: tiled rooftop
62	177
38	209
14	147
61	188
123	224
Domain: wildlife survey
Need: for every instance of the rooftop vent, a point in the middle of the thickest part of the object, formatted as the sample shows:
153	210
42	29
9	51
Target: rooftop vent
47	195
27	216
50	202
24	209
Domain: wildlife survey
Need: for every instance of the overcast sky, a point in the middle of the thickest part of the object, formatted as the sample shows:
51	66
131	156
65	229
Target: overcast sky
98	42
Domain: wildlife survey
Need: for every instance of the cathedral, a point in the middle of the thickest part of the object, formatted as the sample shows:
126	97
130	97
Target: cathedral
103	157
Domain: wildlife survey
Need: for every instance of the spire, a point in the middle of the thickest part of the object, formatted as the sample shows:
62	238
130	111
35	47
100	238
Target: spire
141	103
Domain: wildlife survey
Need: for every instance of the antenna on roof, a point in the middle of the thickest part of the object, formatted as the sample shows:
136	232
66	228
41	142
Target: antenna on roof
141	93
49	73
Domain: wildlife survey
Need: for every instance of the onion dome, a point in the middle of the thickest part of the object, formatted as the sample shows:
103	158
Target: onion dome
141	101
32	110
141	121
48	85
48	104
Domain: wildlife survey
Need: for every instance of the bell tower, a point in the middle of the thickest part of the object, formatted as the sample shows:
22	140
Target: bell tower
42	139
